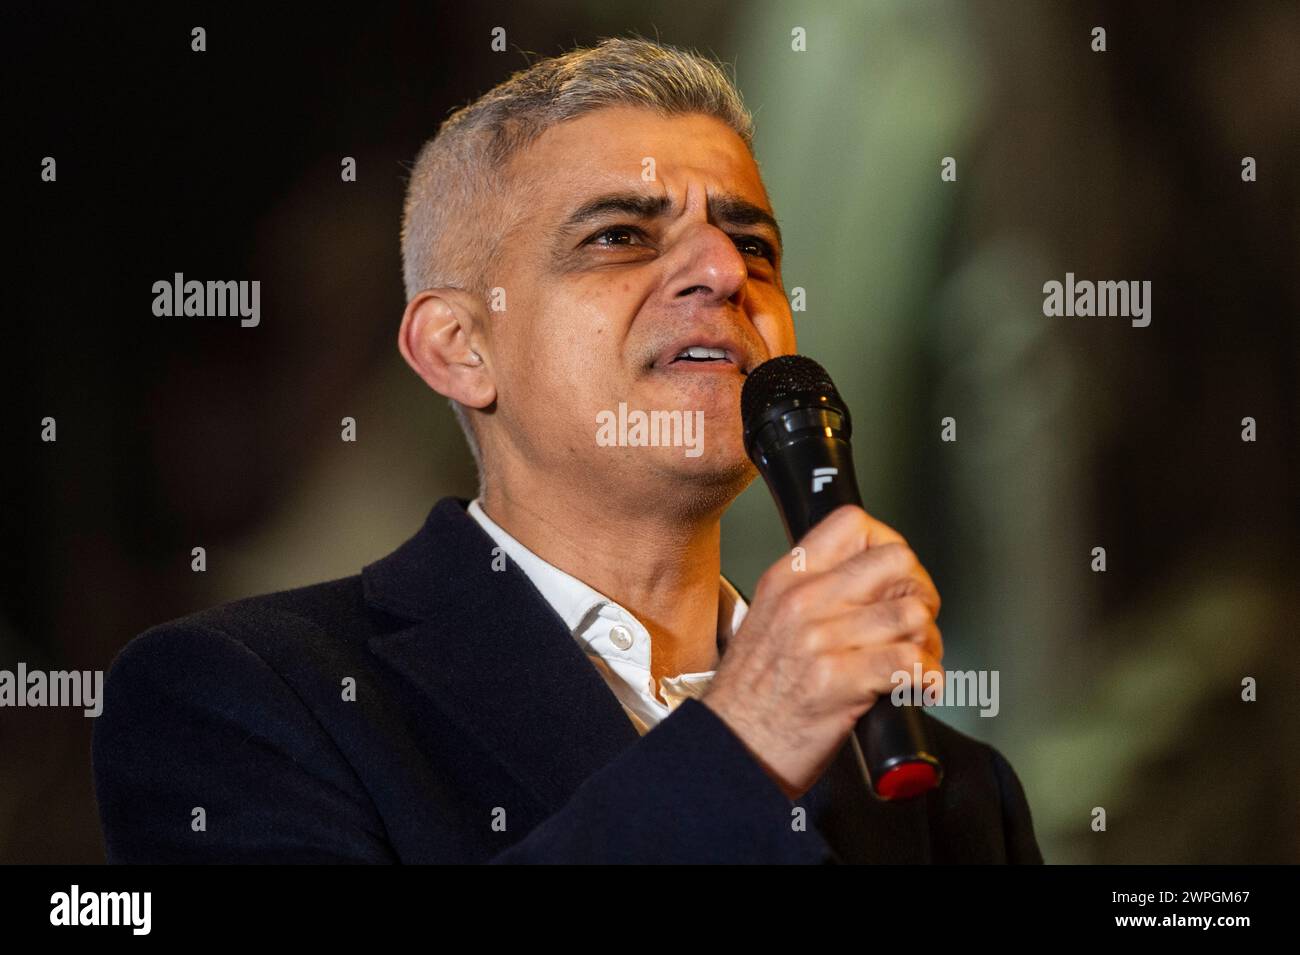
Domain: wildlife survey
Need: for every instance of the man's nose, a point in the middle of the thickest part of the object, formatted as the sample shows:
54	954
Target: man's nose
710	265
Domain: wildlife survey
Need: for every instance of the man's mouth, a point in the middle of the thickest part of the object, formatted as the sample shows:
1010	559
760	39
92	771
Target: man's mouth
713	357
700	353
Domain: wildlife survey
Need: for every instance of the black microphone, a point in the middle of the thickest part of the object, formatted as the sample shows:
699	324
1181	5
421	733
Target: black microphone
797	433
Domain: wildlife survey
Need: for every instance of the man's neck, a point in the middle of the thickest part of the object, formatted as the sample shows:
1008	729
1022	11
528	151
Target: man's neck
665	571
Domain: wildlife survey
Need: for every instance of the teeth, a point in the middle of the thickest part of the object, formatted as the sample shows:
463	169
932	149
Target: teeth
699	351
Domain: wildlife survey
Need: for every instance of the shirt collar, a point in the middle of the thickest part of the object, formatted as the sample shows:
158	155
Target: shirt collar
574	600
731	611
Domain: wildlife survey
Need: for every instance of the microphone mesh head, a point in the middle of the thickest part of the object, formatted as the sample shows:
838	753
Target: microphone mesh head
783	377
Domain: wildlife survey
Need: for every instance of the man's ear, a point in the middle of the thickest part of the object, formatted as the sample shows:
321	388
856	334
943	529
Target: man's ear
438	339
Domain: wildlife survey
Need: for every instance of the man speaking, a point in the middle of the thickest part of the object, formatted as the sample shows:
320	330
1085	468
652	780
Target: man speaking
558	671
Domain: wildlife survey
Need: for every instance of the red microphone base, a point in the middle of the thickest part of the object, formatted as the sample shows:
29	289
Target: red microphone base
907	780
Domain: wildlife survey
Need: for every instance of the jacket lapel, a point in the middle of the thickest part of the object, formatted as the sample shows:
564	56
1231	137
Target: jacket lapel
487	649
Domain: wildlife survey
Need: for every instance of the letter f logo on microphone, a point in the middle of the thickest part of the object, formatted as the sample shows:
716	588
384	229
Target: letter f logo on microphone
822	477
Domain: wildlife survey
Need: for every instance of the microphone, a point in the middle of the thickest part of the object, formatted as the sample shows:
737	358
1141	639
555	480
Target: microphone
797	432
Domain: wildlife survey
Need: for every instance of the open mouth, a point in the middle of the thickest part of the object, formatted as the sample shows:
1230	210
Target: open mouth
704	355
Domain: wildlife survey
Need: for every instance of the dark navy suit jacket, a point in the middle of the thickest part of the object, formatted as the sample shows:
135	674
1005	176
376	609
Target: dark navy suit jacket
479	731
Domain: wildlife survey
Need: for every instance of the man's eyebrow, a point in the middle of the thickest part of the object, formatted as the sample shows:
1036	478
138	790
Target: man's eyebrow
737	211
725	208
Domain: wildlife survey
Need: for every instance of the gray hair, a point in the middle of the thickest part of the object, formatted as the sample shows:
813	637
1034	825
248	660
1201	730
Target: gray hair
456	211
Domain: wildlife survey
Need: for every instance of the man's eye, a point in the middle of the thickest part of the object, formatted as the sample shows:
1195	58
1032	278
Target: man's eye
753	245
615	231
629	235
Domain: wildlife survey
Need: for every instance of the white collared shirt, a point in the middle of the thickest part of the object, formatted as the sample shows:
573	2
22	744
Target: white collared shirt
613	639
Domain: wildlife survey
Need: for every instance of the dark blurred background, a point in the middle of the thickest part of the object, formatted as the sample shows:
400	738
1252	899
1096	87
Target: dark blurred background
1118	689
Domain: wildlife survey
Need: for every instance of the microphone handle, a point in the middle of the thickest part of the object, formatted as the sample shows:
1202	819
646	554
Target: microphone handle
809	479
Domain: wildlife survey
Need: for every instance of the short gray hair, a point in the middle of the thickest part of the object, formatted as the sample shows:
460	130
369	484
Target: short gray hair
451	232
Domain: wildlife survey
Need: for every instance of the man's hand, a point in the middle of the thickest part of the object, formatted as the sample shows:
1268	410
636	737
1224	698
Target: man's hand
820	645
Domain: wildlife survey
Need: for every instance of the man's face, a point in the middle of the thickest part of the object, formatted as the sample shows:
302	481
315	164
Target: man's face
640	236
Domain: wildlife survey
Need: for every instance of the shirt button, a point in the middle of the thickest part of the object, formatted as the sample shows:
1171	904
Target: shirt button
620	636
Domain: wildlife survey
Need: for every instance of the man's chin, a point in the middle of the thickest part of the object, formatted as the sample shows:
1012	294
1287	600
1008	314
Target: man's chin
706	485
719	470
671	479
686	430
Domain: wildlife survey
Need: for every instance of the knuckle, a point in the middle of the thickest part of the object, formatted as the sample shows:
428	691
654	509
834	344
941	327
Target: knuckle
852	520
816	639
891	561
914	614
798	602
851	515
906	557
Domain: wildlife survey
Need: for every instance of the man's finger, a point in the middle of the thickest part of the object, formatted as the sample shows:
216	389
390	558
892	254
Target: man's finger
845	531
887	572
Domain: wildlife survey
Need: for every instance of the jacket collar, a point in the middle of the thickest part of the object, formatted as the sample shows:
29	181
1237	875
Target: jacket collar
487	649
